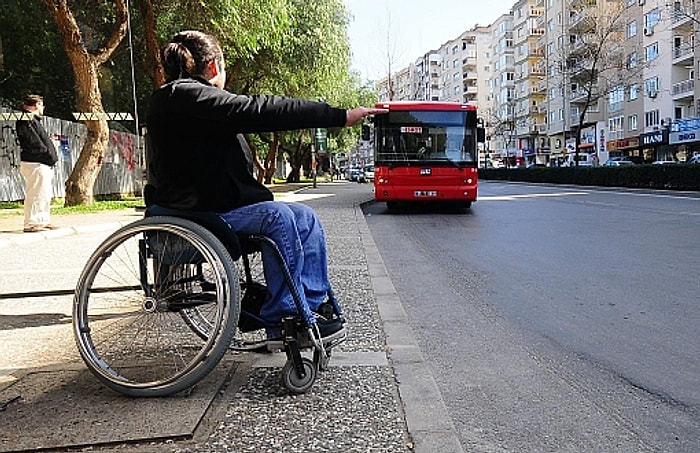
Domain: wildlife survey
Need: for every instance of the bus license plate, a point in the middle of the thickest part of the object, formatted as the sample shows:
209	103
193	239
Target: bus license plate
425	193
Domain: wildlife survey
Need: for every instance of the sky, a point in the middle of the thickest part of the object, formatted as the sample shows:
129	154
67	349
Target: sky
400	31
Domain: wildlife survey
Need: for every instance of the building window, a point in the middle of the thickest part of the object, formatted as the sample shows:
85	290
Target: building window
651	87
616	124
616	99
632	29
651	19
651	118
634	92
632	122
652	51
632	60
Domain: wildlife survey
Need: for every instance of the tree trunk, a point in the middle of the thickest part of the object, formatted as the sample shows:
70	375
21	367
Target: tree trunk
271	159
86	66
153	65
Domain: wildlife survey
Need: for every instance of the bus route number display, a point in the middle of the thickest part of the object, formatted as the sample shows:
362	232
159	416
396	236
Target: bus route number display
411	130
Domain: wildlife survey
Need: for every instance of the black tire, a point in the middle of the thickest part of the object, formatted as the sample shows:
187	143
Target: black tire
299	384
127	311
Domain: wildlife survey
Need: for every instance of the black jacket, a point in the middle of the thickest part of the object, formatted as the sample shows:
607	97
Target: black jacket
35	142
196	157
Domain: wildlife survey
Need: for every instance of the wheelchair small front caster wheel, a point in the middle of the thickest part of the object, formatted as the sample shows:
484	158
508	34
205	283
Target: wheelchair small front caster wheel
295	383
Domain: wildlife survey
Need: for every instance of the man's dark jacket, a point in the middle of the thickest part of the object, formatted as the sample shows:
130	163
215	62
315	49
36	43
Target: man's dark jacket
35	144
196	158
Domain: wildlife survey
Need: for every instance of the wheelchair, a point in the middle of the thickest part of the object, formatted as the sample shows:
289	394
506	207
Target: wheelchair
162	299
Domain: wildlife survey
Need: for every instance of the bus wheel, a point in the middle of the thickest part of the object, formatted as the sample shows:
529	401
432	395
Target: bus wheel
392	205
465	204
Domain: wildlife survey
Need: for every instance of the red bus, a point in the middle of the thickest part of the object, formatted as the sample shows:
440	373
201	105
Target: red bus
426	152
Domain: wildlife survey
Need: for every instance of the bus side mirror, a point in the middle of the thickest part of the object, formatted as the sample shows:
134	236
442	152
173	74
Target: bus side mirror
365	132
480	135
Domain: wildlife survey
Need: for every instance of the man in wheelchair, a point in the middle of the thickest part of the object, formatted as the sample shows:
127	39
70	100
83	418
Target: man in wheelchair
198	160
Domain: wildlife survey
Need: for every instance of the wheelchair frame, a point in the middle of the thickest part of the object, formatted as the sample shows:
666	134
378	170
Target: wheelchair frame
159	303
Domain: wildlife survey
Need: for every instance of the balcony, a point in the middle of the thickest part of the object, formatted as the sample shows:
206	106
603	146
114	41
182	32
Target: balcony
535	71
469	62
589	117
581	44
581	95
683	54
683	89
536	12
583	3
582	21
683	16
535	51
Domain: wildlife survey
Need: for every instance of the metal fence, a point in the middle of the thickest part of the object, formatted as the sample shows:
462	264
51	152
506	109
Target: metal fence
123	168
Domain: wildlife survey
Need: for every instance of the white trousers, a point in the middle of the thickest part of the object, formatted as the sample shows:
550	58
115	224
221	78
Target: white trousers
38	193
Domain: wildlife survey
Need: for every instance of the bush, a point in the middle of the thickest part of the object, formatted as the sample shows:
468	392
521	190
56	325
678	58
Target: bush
671	177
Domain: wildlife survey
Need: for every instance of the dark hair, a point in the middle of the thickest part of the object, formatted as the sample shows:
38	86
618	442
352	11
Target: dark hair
31	100
188	53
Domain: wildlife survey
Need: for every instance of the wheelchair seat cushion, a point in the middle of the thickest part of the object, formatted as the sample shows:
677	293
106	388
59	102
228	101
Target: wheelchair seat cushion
209	220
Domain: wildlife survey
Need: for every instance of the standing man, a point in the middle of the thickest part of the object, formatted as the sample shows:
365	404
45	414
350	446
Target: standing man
38	158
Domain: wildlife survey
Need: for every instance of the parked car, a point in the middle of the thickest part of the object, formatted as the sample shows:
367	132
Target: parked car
353	174
618	162
664	162
367	173
535	165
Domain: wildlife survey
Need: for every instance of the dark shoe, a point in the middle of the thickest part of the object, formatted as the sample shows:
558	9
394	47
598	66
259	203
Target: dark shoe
329	327
35	229
332	333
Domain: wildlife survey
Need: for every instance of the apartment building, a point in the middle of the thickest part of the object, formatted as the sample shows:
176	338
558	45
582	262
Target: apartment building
530	122
553	78
499	113
651	114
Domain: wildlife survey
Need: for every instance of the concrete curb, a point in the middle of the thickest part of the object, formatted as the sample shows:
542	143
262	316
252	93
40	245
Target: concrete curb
427	419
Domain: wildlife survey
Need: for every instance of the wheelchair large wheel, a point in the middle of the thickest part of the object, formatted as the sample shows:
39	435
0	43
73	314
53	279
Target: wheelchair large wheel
128	310
252	283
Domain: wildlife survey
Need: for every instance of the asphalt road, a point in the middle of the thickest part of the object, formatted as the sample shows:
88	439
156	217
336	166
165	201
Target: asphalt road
556	318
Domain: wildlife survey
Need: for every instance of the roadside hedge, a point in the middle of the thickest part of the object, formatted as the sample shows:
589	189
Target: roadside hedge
670	177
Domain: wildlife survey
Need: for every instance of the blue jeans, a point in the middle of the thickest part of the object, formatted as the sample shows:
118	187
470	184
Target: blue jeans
298	233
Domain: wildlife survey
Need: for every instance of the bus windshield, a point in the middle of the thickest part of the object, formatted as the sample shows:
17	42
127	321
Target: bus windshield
425	136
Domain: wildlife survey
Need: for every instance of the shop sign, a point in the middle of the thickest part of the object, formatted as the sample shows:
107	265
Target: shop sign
684	136
652	138
690	124
623	143
587	136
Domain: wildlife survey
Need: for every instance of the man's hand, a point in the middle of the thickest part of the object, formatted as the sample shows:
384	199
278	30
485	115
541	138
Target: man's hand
358	114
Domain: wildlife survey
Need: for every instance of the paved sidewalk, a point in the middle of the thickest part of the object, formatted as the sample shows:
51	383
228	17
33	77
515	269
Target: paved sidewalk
377	396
